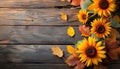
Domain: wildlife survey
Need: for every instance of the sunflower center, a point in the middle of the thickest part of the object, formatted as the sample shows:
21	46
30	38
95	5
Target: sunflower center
104	4
84	17
91	52
100	29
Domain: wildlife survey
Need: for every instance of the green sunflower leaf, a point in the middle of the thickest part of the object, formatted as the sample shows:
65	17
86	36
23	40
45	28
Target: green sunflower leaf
85	4
114	23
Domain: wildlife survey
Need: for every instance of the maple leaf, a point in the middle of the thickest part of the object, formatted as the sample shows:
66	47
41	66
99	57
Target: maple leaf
64	16
85	31
57	51
71	50
70	31
72	60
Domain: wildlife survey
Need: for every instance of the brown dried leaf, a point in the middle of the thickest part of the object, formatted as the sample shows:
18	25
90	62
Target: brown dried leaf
72	60
114	53
80	65
64	16
111	41
85	31
57	51
70	31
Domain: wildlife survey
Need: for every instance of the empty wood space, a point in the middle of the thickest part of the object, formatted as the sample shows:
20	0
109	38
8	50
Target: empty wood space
28	30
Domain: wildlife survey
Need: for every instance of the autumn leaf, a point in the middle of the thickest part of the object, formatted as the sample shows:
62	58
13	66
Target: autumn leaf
64	16
62	0
111	42
80	65
57	51
114	53
85	31
72	60
71	50
70	31
76	2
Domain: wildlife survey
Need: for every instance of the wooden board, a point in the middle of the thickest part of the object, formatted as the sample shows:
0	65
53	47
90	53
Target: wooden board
33	54
37	17
38	35
31	3
46	66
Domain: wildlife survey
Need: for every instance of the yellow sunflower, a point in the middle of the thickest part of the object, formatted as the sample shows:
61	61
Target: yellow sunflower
83	16
103	7
100	27
91	52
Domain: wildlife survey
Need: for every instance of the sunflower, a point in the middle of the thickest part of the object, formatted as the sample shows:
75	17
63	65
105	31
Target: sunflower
83	16
91	52
103	7
100	27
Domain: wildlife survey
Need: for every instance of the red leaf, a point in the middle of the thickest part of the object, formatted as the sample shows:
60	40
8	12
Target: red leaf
72	60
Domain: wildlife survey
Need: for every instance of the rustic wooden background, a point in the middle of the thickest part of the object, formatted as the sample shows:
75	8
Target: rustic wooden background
29	28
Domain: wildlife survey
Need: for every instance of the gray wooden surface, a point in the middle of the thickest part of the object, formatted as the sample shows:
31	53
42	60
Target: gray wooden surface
28	30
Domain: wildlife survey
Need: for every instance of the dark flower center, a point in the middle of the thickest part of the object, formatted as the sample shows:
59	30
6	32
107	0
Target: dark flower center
84	17
91	52
100	29
104	4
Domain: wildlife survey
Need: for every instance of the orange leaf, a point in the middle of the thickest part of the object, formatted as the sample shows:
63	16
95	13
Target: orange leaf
71	50
57	51
70	31
64	16
85	31
75	2
72	60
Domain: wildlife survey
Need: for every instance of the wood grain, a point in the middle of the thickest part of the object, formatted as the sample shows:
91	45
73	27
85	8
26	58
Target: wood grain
38	35
31	3
37	17
34	66
33	54
46	66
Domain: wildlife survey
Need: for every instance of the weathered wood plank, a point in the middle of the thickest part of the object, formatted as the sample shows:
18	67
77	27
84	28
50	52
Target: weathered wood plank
33	54
30	54
37	17
46	66
31	3
34	66
37	35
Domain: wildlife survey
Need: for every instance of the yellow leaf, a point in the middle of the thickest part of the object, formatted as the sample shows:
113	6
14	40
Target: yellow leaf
57	51
71	49
64	16
62	0
70	31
